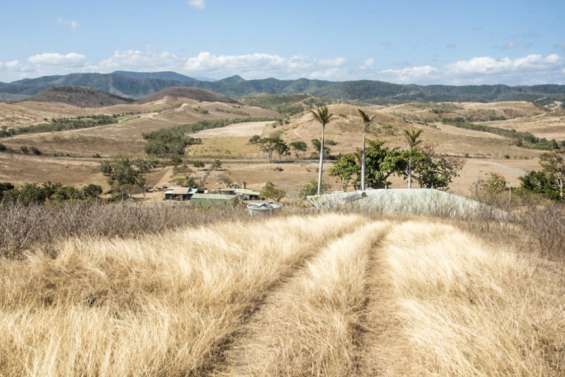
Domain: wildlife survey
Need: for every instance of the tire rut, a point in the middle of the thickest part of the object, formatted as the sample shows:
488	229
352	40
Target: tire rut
217	357
380	337
274	304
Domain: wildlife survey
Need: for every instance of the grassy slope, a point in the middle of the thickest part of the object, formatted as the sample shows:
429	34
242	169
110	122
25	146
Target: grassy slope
332	295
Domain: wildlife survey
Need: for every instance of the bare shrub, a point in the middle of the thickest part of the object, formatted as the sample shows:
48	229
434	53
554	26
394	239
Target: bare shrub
23	227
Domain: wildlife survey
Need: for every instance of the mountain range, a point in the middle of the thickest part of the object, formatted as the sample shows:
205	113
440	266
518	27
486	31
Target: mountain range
136	85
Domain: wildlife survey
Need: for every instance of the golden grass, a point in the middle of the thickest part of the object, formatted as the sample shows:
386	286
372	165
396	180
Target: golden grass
155	306
311	326
327	295
469	309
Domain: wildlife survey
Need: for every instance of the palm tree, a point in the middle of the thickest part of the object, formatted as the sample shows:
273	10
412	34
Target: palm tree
366	122
323	116
412	137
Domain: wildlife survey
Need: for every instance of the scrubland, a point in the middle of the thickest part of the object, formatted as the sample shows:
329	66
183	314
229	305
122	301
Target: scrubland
329	294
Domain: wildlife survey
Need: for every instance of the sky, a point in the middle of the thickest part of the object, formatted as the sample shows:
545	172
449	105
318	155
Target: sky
404	41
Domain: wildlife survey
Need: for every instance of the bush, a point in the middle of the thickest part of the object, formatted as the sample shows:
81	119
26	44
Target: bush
24	227
3	148
311	188
270	191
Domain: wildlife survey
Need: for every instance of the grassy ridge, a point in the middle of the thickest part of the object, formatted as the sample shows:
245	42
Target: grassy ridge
522	139
63	124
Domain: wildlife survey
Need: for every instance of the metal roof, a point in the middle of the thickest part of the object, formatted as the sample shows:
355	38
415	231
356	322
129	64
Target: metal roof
213	197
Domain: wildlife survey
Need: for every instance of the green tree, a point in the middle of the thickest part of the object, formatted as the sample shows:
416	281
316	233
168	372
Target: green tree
317	144
298	147
413	140
345	168
281	148
431	170
550	179
268	145
323	116
381	163
553	164
125	176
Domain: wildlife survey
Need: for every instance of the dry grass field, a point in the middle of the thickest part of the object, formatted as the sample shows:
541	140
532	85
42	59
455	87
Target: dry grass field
310	295
68	156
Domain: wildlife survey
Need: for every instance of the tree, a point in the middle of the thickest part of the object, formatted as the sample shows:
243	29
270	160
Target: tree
268	145
549	180
431	170
92	191
381	163
255	139
270	191
554	165
345	168
367	120
323	116
298	147
412	138
125	176
317	144
281	148
5	187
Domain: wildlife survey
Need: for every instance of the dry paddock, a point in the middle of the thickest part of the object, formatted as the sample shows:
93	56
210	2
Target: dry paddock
324	295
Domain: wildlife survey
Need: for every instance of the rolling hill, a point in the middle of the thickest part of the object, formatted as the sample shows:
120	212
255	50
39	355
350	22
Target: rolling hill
139	84
188	92
79	96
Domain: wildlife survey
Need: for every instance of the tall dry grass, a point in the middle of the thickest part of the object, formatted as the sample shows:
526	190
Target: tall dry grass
311	326
159	305
468	309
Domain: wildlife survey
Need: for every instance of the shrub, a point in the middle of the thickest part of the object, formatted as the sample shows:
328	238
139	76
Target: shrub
270	191
3	148
311	188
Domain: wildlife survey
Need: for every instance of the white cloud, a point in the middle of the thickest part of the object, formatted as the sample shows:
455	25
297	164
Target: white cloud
10	65
71	59
410	73
367	64
136	59
489	65
197	4
69	24
530	69
258	65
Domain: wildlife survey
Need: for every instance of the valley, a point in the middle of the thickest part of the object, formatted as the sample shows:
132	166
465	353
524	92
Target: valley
71	156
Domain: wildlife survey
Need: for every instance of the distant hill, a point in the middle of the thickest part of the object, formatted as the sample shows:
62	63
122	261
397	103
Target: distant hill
139	84
188	92
78	96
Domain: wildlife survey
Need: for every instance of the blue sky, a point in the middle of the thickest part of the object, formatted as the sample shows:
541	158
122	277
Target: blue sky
405	41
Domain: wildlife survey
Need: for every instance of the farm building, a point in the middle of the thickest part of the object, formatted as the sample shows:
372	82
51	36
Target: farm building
179	193
243	194
208	200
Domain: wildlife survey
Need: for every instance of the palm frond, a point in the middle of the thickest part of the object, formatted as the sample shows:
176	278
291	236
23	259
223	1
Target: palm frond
322	115
412	137
365	117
